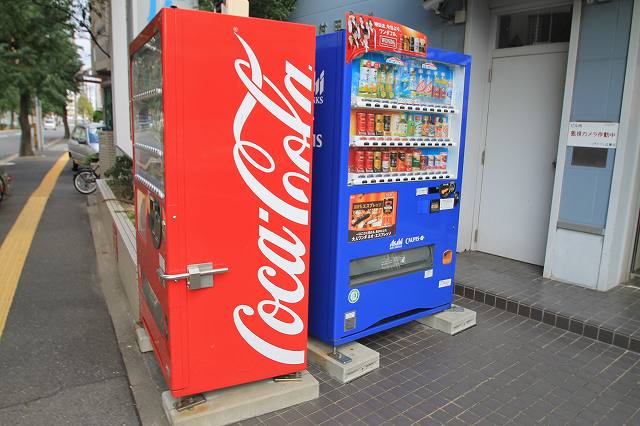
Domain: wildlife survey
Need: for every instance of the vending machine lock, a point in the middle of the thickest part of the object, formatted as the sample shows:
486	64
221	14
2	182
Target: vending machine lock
198	276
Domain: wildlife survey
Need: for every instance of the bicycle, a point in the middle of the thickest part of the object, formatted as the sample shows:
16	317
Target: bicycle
84	179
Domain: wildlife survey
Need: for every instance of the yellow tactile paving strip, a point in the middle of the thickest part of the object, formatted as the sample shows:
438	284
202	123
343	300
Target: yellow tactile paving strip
16	245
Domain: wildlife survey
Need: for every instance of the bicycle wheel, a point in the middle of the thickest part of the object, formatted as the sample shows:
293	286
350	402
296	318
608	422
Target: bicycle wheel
85	182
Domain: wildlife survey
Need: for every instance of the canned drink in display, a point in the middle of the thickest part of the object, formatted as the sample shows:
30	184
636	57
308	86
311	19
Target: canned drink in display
432	127
352	158
371	124
377	162
361	123
431	162
443	160
359	161
438	162
423	162
415	161
379	124
393	161
385	161
401	160
425	125
387	125
408	161
438	127
368	161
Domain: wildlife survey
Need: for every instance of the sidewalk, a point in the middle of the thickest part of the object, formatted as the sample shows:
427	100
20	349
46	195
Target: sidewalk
612	317
59	360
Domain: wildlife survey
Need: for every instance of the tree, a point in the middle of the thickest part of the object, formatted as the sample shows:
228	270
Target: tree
84	107
267	9
9	102
37	55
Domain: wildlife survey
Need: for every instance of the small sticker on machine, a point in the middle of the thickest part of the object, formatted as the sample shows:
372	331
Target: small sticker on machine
422	191
444	283
446	203
428	273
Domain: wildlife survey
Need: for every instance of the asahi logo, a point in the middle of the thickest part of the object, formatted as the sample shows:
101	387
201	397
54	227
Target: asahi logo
278	272
318	97
395	244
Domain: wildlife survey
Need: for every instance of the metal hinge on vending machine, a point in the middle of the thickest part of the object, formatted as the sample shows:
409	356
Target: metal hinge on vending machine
198	276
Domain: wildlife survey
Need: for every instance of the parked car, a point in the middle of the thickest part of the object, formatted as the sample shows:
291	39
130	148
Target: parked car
50	123
5	183
83	143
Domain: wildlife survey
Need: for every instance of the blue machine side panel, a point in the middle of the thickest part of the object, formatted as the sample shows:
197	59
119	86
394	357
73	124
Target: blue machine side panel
327	136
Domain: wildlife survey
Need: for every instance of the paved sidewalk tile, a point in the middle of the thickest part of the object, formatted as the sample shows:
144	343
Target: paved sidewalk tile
612	317
507	369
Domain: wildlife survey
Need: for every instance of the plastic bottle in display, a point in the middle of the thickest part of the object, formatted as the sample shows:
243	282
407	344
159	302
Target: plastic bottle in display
402	125
449	91
373	78
445	127
413	84
363	83
417	125
382	82
428	87
420	89
402	83
443	86
390	83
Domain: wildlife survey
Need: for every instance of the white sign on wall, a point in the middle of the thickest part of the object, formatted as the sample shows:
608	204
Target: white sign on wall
593	134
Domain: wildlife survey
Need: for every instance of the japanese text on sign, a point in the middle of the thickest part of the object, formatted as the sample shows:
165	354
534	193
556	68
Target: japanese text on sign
372	215
593	134
368	33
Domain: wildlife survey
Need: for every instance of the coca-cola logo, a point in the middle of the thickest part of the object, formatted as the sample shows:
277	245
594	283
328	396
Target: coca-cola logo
251	159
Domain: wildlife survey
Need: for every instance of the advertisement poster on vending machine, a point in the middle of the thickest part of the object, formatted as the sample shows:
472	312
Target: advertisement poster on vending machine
372	215
367	33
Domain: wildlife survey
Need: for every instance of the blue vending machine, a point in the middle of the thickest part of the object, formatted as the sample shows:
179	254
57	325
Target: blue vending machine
390	119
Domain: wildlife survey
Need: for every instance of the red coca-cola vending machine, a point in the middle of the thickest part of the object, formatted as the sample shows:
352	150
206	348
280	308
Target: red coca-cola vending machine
222	111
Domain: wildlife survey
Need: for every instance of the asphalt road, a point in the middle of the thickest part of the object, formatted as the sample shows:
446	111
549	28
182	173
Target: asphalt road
10	141
59	358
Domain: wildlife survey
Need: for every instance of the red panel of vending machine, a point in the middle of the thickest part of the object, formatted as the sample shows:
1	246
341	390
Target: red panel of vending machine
222	128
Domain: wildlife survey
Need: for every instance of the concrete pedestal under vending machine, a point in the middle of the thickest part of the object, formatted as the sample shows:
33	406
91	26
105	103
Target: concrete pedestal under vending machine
390	117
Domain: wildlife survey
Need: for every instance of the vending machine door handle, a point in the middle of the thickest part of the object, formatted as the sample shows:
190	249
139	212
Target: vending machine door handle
198	276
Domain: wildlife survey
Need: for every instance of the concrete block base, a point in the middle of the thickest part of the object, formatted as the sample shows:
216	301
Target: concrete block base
452	321
363	360
234	404
144	342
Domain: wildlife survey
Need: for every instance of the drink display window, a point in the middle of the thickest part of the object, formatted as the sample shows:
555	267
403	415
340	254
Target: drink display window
148	121
404	123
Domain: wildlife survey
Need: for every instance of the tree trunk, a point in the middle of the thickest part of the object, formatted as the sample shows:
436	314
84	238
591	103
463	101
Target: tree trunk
65	122
13	120
25	139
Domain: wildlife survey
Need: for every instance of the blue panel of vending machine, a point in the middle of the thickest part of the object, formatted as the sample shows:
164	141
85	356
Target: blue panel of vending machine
387	167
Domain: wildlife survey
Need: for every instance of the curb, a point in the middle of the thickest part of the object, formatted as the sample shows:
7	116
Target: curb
550	317
12	157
